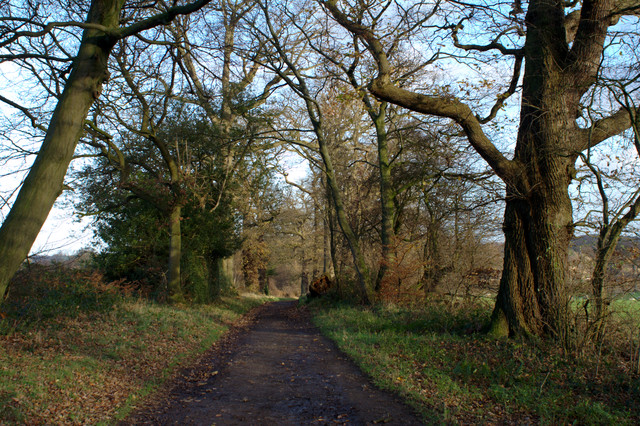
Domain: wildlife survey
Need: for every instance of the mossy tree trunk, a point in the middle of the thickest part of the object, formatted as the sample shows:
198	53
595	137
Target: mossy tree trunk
538	222
174	277
44	181
387	194
377	112
222	283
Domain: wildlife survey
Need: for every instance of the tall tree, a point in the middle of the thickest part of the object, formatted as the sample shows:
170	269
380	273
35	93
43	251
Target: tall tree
102	29
134	187
561	52
618	192
285	61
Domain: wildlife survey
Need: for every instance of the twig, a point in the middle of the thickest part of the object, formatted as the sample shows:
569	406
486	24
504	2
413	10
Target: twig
543	382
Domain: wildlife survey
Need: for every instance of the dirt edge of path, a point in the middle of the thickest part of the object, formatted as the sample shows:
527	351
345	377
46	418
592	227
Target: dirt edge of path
273	366
213	358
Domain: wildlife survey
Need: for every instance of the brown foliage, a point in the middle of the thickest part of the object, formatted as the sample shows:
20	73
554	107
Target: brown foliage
320	286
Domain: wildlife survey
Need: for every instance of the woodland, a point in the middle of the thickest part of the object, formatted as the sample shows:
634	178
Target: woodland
410	152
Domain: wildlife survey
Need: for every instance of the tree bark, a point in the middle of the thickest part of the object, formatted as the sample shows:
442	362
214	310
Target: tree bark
538	222
43	184
44	181
263	280
304	276
317	242
222	277
174	281
330	262
604	250
387	195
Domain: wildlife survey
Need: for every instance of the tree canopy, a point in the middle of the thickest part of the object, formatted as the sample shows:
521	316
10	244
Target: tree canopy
417	120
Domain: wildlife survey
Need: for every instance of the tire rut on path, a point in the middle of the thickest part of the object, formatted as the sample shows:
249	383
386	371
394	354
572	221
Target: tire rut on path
277	371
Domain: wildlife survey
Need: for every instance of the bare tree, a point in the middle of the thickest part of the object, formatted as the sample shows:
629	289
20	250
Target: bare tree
619	201
561	62
287	62
102	29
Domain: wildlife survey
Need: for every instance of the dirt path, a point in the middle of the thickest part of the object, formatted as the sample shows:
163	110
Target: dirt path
275	370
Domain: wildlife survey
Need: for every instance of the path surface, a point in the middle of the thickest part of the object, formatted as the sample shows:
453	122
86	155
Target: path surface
275	370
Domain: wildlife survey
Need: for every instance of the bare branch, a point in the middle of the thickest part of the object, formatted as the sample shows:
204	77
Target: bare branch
603	129
163	18
517	68
494	45
440	106
25	111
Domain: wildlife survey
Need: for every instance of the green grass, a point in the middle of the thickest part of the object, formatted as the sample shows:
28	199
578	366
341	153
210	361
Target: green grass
77	353
438	361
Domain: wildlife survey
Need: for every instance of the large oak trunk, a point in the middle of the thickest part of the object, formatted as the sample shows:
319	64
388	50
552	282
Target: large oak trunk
538	223
532	299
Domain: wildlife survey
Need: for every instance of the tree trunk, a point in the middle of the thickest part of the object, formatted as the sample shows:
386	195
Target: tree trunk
222	277
606	246
330	261
317	244
538	222
532	299
387	234
174	282
43	184
263	280
250	269
304	276
304	284
604	251
362	271
432	258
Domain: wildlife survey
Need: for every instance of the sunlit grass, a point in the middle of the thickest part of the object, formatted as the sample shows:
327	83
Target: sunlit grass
436	359
93	363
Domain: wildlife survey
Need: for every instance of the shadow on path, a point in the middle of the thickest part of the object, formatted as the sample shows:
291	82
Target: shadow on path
276	370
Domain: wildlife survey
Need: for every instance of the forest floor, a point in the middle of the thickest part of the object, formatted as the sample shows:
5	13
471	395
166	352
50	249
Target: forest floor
273	368
75	350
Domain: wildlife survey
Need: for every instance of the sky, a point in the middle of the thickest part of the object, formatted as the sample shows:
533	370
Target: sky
61	232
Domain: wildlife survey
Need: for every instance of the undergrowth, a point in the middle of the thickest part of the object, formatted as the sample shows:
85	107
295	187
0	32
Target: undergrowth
438	359
77	350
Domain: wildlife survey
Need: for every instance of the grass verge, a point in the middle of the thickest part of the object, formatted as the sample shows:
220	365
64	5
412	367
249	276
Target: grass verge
435	359
81	356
